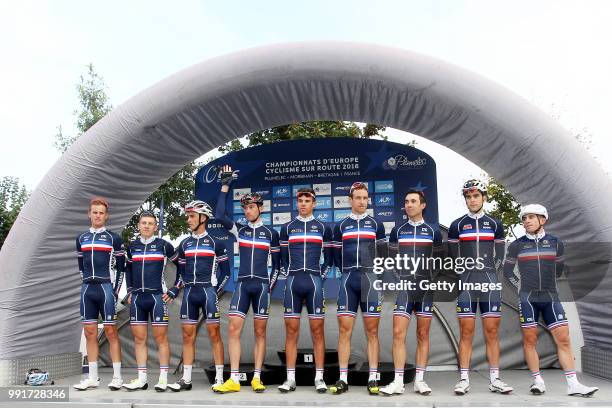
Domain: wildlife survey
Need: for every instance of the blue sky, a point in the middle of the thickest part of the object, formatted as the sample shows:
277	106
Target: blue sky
554	53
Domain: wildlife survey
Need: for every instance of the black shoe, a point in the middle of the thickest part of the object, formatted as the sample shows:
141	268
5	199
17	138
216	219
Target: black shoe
180	385
373	387
339	387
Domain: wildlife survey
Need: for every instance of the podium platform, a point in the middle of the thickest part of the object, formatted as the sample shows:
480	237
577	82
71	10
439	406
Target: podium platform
442	384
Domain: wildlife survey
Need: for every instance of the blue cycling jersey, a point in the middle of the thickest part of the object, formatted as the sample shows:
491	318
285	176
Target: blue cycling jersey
540	262
202	260
95	249
302	241
358	239
478	236
257	243
146	261
416	240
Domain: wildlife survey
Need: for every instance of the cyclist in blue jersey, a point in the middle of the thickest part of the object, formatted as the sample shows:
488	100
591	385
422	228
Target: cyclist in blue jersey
146	285
540	259
302	241
415	239
203	270
478	237
96	250
257	243
358	239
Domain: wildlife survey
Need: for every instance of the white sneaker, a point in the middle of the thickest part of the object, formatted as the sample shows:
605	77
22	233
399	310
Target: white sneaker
161	386
394	387
135	385
287	386
462	387
320	386
115	384
537	388
500	386
217	382
580	390
87	383
422	388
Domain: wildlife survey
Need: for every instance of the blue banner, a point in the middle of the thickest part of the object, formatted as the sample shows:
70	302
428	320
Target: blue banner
329	166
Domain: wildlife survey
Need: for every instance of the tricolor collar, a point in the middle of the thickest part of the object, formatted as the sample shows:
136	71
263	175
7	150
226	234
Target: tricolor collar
477	215
358	216
306	219
416	223
147	241
537	236
202	235
97	231
256	224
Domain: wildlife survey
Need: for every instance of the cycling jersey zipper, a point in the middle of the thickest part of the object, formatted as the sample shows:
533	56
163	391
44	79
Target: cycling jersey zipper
93	242
304	246
144	254
252	251
195	260
539	269
357	260
414	247
477	240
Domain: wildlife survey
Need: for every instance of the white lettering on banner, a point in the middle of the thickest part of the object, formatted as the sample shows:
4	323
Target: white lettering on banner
314	165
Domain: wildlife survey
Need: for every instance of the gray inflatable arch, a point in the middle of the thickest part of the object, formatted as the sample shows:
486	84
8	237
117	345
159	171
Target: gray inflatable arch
141	143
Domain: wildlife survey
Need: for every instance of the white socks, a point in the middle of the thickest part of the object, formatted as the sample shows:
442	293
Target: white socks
219	372
290	374
373	374
420	373
493	373
465	374
319	374
187	373
93	370
571	378
537	377
163	374
399	375
142	374
344	374
117	370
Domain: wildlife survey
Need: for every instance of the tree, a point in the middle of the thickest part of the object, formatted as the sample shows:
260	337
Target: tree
306	130
13	196
505	206
174	193
94	104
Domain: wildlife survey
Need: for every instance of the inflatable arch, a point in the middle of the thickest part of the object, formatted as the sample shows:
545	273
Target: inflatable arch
141	143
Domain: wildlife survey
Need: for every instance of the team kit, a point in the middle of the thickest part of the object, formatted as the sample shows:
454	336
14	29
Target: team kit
304	251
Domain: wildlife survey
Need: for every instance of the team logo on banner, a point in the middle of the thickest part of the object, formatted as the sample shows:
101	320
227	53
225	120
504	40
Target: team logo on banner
383	186
281	192
401	162
281	218
322	189
384	200
323	216
239	192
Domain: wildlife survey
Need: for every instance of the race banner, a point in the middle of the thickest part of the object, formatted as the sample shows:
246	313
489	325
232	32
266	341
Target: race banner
329	166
